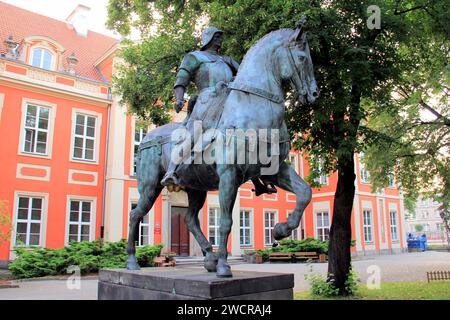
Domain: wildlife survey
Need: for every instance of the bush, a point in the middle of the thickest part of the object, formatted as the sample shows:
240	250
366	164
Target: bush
88	256
322	287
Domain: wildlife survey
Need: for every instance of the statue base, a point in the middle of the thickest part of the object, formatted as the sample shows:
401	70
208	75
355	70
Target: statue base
192	284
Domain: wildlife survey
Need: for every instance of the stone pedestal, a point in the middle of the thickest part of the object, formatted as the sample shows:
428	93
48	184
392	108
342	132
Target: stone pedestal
192	284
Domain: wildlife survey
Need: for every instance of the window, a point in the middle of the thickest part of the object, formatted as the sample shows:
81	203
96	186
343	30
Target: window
367	217
322	179
391	181
139	134
36	129
394	228
245	228
144	229
213	227
269	223
323	225
294	234
293	160
80	218
363	173
84	137
29	221
42	58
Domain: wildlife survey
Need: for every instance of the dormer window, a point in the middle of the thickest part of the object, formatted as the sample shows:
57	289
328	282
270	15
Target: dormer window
42	58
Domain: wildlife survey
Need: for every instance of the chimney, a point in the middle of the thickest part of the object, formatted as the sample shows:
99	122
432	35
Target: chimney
72	62
78	20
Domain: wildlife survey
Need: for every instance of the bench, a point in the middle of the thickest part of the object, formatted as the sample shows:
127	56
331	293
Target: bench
438	276
163	261
280	256
305	256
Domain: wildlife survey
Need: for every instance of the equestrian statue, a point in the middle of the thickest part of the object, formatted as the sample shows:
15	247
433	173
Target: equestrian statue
231	99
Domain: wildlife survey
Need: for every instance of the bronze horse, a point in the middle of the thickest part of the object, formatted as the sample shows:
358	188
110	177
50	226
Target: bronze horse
255	101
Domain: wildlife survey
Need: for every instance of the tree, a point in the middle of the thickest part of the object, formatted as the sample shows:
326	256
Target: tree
412	132
355	66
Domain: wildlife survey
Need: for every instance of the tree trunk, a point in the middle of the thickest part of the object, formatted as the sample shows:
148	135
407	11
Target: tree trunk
339	257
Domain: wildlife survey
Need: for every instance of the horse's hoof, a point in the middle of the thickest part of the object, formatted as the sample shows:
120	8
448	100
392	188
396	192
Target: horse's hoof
210	262
280	231
223	271
132	264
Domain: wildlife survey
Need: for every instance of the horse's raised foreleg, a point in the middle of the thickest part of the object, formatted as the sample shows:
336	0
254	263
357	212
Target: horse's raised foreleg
289	180
228	188
149	190
196	201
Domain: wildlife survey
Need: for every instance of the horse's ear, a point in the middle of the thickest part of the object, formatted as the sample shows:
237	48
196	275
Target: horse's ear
300	32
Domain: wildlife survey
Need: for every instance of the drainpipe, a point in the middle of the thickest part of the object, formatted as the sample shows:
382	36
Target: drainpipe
105	169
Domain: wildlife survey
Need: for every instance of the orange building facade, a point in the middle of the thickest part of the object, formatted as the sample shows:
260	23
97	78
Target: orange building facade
68	148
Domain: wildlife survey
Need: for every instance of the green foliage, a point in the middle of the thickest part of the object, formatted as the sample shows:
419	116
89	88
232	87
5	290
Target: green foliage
5	222
307	245
88	256
322	287
418	227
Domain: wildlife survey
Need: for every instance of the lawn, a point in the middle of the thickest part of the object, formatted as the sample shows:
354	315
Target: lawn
439	290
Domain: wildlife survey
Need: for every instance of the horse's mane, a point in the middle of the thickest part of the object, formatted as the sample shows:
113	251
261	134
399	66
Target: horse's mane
280	34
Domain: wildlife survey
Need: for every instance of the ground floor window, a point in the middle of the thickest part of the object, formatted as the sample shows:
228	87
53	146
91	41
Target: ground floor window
80	220
244	228
394	225
29	221
367	223
213	226
323	225
294	234
269	224
144	229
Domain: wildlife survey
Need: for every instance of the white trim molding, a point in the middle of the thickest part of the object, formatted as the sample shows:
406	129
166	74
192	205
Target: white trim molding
2	100
83	172
20	175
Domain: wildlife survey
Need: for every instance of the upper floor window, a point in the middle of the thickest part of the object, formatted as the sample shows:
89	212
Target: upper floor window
36	129
363	173
323	178
139	134
42	58
391	181
84	137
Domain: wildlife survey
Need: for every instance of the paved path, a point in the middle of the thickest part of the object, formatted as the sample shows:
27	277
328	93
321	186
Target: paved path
400	267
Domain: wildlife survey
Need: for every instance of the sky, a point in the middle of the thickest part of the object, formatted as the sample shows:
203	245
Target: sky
61	9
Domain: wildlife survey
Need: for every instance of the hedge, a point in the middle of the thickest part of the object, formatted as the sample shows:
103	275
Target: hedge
88	256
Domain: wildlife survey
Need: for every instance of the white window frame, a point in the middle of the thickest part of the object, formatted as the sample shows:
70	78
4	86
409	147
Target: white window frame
394	224
295	164
269	227
214	228
50	128
391	181
93	219
36	130
143	224
97	138
43	230
246	228
363	173
322	179
368	215
295	232
136	144
80	223
52	54
322	235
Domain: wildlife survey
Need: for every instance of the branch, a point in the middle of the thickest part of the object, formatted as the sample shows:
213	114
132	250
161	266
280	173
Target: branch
433	111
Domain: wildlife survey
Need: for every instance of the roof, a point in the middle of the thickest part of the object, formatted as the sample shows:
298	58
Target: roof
21	24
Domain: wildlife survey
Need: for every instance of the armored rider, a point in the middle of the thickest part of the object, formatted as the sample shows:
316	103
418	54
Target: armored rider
206	68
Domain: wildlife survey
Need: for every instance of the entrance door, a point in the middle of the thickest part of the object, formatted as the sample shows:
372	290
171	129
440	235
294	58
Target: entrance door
179	234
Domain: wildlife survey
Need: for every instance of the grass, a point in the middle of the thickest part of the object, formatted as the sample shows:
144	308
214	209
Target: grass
439	290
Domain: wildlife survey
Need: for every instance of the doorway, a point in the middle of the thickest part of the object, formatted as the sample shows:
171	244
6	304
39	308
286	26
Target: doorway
179	232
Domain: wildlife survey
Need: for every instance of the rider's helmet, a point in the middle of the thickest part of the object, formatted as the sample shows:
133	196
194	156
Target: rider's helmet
208	35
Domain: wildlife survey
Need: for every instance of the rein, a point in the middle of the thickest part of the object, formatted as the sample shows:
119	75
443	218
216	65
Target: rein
256	91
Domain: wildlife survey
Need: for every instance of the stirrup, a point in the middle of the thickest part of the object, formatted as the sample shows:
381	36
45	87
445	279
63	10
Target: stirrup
268	188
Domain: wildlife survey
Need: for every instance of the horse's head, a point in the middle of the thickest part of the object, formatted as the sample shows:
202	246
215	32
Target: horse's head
295	65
